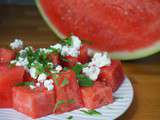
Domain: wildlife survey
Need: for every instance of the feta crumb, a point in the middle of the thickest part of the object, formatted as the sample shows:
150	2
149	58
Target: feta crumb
32	72
92	72
58	68
72	50
17	43
32	86
49	84
56	46
76	42
67	50
38	84
100	59
22	62
42	77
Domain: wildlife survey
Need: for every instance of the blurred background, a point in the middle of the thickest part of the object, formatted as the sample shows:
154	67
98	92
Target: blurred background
18	2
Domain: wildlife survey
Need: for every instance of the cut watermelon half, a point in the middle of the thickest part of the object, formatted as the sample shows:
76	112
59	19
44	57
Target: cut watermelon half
126	29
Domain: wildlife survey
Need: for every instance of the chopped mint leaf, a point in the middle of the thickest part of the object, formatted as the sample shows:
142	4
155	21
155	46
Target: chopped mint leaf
77	68
59	102
84	81
70	117
65	82
25	84
118	97
68	41
65	68
91	112
71	101
54	77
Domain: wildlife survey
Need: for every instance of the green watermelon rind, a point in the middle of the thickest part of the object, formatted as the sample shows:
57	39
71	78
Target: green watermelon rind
121	55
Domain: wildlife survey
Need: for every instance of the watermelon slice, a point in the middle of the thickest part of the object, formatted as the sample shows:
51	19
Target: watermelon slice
127	29
36	102
97	95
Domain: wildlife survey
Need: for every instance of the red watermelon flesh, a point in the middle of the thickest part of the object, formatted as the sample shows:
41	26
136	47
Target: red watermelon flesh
128	29
69	61
83	56
6	55
36	102
97	95
9	77
69	92
112	75
6	99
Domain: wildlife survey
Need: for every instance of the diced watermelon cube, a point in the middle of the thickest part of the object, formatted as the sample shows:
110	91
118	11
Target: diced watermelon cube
112	75
97	95
35	103
69	61
67	90
6	55
83	56
9	77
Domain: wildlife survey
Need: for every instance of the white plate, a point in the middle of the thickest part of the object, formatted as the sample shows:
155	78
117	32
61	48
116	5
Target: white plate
124	97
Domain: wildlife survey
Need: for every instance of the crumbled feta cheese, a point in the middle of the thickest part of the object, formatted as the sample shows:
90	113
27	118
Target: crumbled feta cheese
17	43
56	46
32	86
76	42
38	84
100	60
58	68
92	72
32	72
72	50
48	84
42	77
67	50
22	62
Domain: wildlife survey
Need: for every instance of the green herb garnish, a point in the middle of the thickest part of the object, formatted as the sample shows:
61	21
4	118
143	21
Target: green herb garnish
64	82
68	41
70	117
71	101
118	97
77	68
84	81
59	102
91	112
25	84
65	68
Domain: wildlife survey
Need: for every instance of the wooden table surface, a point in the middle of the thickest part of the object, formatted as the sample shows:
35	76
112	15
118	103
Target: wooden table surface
25	23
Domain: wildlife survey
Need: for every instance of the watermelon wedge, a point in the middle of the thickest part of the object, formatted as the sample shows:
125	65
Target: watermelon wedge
126	29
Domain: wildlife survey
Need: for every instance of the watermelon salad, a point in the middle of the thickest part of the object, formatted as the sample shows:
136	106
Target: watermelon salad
58	79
